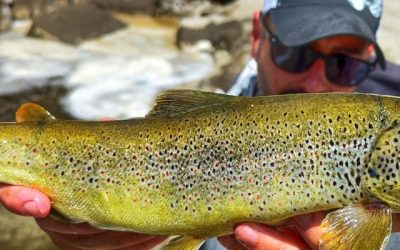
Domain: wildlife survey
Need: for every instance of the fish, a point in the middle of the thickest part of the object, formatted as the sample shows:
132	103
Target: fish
199	163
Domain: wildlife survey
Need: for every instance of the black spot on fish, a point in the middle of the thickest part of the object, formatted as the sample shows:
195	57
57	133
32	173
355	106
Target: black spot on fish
358	180
372	173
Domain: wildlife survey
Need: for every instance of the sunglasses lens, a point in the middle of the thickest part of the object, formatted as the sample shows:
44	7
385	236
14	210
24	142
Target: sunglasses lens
344	70
292	59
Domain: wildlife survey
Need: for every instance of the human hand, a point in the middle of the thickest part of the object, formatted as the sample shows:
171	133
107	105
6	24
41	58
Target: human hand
31	202
24	201
74	236
302	232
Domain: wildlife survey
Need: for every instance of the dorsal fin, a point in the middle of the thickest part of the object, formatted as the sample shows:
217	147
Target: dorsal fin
173	103
31	112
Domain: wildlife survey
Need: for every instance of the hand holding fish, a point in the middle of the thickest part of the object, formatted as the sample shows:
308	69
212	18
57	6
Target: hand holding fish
303	232
25	201
31	202
83	236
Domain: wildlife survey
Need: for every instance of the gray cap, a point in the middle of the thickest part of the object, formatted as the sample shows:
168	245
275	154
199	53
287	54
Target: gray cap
299	22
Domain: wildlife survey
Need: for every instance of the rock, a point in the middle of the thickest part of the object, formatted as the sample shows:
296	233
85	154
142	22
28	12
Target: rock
223	1
128	6
183	7
227	35
5	15
23	9
75	23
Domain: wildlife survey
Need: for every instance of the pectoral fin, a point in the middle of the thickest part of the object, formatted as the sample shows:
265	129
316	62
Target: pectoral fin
183	243
357	227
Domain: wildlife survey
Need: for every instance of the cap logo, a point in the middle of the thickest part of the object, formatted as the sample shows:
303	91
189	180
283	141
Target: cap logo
375	6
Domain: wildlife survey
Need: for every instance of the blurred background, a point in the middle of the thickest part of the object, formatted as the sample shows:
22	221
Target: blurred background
96	59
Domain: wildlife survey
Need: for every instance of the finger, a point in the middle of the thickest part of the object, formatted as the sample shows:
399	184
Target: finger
229	242
25	201
257	237
61	245
50	224
308	226
104	240
148	244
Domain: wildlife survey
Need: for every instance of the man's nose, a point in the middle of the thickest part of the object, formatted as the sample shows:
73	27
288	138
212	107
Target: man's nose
315	80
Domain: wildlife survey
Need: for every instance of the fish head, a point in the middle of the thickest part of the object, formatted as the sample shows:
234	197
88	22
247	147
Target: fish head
381	177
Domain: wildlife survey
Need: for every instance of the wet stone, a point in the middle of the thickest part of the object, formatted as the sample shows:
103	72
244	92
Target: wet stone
5	15
222	35
61	24
128	6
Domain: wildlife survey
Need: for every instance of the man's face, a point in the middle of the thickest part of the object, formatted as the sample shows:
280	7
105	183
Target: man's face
272	80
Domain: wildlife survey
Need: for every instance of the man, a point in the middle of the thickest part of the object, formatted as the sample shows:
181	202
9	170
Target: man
298	46
310	46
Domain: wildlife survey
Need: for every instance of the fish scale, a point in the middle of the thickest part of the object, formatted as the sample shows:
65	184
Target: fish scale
201	163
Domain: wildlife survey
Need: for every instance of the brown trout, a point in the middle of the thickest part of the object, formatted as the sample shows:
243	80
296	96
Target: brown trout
200	163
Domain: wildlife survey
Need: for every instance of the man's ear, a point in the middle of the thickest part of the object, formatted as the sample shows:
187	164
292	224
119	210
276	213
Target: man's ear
256	33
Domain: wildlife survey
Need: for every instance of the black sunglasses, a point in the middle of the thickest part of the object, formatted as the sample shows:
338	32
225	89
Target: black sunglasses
339	69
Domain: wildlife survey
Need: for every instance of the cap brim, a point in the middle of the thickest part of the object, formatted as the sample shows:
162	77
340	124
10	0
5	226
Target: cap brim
305	24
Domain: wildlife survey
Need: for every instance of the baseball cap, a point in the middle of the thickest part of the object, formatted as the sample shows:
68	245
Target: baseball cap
298	22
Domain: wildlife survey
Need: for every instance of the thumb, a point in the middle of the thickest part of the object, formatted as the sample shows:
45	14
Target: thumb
25	201
257	237
308	226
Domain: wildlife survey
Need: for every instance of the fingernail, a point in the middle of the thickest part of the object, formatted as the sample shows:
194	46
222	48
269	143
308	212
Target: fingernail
31	208
34	208
32	205
247	236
